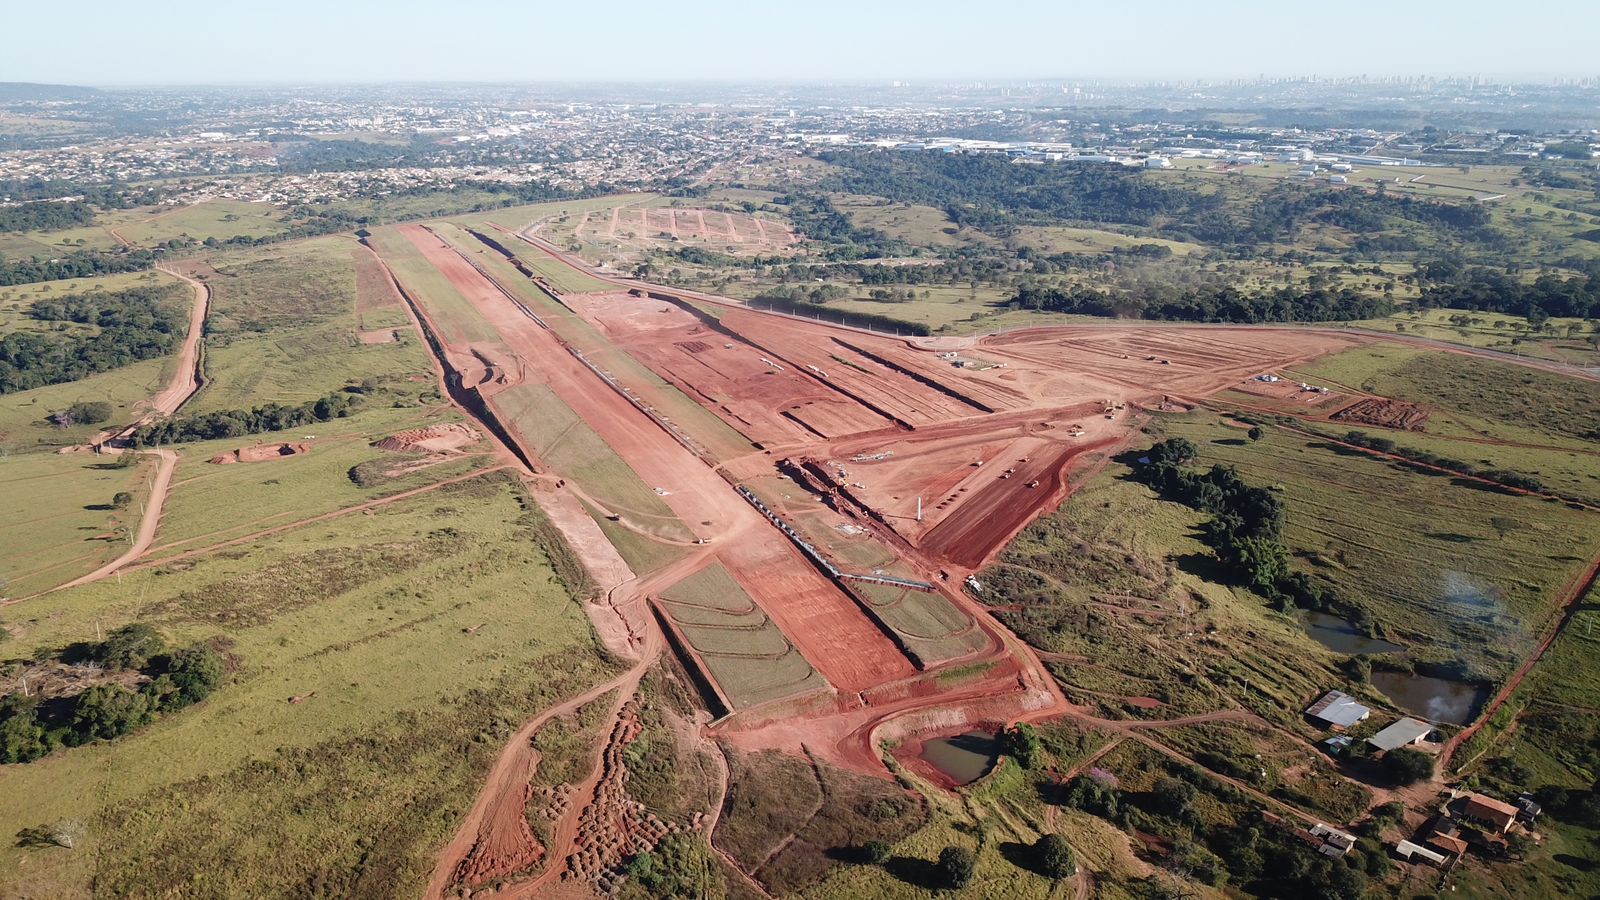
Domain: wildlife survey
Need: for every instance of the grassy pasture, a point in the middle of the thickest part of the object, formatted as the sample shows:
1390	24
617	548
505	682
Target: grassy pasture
922	226
450	311
1496	331
357	784
519	217
1471	397
212	503
220	219
1063	239
63	524
23	425
1421	553
283	328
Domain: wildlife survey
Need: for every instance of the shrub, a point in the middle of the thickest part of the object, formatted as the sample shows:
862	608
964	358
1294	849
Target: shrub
1406	766
956	865
875	852
681	866
1054	856
1021	743
129	647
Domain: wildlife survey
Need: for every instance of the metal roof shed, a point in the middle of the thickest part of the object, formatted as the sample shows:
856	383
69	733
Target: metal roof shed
1400	734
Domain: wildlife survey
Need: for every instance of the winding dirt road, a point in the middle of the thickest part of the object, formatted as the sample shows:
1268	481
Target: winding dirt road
185	383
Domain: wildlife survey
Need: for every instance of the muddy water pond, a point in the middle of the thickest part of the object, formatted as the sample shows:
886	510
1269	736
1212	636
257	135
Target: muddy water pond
1340	636
1434	699
964	758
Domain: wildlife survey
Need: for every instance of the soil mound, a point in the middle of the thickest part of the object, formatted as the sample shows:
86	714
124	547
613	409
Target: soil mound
1386	413
433	439
260	453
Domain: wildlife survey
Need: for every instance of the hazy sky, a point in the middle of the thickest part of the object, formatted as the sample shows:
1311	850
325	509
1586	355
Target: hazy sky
229	41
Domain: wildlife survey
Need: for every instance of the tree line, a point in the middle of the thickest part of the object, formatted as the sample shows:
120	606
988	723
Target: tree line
1246	525
1207	303
77	264
31	727
134	324
238	422
1483	289
46	215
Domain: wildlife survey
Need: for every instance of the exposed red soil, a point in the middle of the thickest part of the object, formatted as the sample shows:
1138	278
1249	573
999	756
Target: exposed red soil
380	336
1384	413
432	439
261	453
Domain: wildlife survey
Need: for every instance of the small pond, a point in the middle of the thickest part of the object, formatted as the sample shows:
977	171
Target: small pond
964	757
1340	636
1434	699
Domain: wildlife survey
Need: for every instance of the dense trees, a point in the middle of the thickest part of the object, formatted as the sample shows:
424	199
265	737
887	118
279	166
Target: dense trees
77	264
1489	290
993	193
1021	743
1245	525
1207	303
84	412
46	215
237	422
134	324
1405	766
170	680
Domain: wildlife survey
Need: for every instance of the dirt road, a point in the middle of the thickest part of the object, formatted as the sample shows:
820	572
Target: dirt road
187	379
167	461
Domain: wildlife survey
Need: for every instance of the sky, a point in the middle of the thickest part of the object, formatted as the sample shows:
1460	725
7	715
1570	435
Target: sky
98	42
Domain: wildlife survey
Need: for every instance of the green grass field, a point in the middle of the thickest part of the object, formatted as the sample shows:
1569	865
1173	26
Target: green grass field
23	424
1457	570
211	503
283	327
357	783
15	301
220	219
1568	341
450	311
63	523
1471	397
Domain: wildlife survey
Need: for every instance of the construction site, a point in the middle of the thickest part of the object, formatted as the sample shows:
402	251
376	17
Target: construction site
795	511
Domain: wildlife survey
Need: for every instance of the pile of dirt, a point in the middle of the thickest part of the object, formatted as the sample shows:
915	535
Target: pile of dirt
260	453
433	439
1385	413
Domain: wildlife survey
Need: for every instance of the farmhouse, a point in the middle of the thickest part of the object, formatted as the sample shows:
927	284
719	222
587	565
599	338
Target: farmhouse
1338	710
1493	813
1404	733
1335	843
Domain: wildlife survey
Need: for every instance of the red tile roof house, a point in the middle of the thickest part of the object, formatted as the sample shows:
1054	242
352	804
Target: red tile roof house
1489	811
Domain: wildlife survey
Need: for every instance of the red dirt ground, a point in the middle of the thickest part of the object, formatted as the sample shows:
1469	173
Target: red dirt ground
847	646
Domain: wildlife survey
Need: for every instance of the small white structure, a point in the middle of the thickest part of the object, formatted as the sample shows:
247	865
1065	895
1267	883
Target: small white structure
1338	710
1406	732
1338	179
1413	852
1335	843
1158	162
